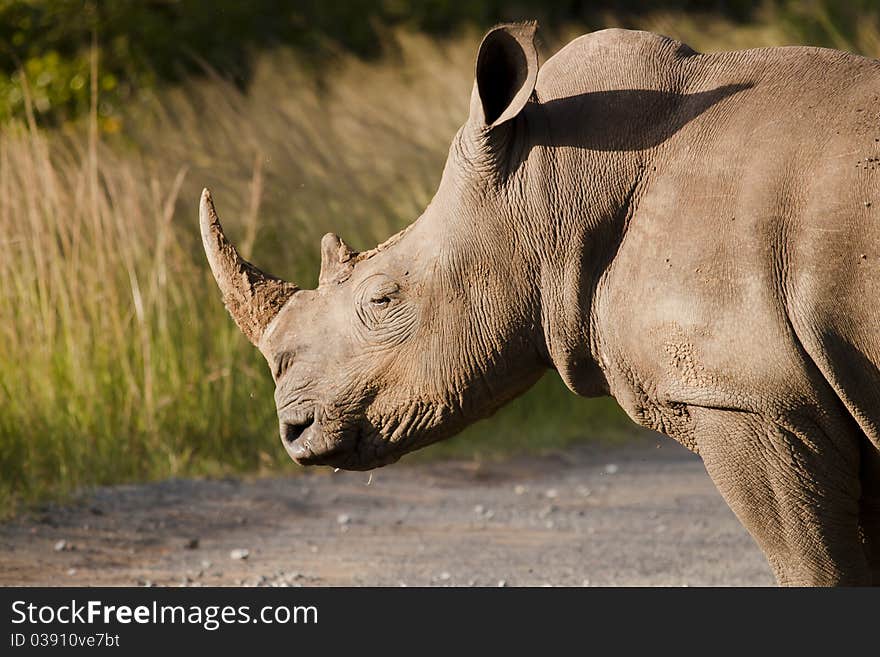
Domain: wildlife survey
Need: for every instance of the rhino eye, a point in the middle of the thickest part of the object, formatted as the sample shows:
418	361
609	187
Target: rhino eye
282	364
382	309
384	294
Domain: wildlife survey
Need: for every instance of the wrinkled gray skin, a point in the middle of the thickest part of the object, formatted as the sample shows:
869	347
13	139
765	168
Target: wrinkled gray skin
696	235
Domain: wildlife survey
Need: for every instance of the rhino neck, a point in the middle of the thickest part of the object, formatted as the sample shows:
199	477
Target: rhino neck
588	197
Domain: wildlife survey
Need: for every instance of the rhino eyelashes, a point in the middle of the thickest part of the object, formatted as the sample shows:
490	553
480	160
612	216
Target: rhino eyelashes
283	363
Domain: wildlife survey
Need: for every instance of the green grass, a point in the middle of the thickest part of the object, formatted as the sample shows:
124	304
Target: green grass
117	360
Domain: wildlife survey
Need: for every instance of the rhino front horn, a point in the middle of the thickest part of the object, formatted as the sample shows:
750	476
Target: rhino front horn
251	296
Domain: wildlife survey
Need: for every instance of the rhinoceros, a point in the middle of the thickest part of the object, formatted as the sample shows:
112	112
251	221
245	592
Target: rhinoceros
697	235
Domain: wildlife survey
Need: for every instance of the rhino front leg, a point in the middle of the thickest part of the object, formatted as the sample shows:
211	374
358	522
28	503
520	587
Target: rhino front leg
794	487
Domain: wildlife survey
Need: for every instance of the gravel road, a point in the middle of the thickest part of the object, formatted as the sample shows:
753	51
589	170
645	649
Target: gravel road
645	514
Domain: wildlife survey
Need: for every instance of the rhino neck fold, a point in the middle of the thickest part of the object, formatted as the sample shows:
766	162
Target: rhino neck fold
586	224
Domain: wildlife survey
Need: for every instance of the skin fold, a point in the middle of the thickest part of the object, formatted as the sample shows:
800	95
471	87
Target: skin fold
695	235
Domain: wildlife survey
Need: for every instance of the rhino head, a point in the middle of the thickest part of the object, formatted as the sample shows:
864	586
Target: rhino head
407	343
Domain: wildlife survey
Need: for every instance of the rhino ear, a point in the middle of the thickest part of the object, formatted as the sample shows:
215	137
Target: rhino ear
506	72
336	259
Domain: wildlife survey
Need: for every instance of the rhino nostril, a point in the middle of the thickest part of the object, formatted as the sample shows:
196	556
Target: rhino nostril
293	430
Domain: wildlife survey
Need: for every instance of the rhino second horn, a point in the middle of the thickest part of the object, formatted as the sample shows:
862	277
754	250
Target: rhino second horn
336	259
251	296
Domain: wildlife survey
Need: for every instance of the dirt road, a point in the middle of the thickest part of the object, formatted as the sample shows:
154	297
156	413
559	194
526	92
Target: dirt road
640	515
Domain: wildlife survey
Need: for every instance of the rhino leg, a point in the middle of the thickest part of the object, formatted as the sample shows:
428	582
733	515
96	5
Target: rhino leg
794	485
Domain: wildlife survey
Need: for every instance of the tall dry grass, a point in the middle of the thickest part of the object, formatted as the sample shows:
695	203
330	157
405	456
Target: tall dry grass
112	364
117	360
